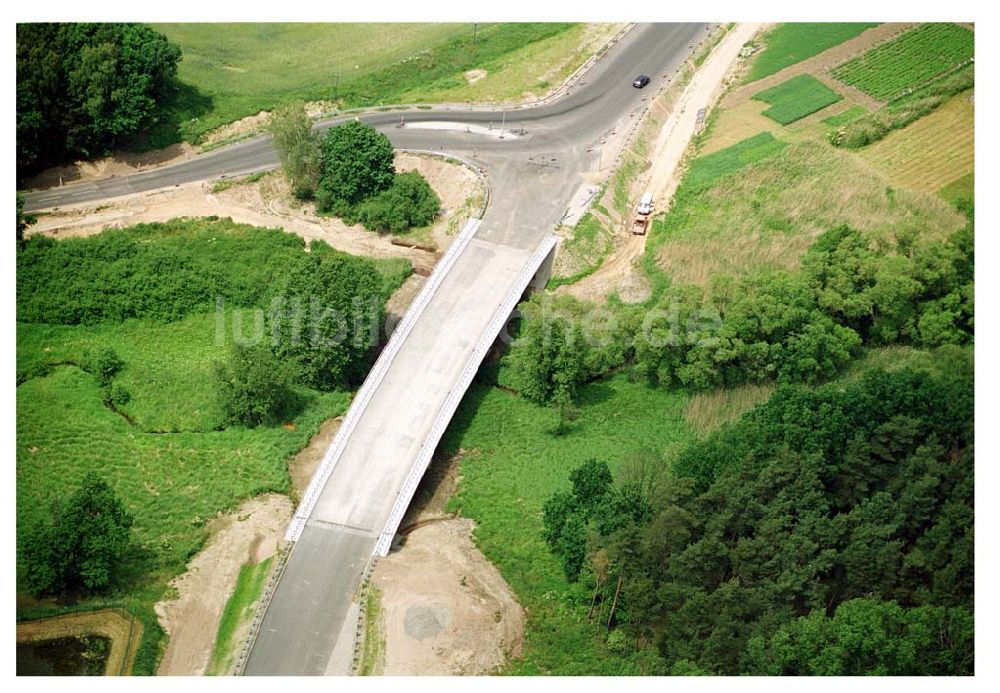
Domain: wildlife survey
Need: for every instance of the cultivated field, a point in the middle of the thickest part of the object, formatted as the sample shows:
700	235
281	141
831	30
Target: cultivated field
791	43
931	152
797	98
909	62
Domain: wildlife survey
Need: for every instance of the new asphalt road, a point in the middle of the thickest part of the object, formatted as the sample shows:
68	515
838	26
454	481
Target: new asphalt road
399	415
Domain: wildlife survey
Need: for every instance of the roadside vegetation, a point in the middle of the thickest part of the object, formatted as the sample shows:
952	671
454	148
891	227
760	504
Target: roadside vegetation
791	43
238	614
798	97
116	371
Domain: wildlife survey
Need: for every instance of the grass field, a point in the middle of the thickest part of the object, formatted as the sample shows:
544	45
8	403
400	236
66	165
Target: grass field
527	71
705	170
961	191
583	251
165	452
791	43
931	152
734	218
706	411
239	610
797	98
241	69
513	463
845	116
916	58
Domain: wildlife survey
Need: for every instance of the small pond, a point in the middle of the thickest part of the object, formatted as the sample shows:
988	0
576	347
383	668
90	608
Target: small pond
81	656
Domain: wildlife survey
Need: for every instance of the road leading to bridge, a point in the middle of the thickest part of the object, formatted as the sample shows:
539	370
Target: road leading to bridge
370	473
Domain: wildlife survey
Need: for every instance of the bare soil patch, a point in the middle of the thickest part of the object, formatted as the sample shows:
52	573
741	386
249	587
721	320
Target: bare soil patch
124	633
445	609
244	126
118	164
250	534
473	76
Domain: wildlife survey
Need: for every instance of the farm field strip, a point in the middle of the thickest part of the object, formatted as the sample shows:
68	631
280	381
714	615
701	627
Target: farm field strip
915	59
794	42
796	98
930	152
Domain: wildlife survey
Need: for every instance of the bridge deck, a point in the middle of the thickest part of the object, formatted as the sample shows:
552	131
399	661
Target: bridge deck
384	453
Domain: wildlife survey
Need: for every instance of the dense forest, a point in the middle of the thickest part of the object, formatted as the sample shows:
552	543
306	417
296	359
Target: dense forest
829	531
83	89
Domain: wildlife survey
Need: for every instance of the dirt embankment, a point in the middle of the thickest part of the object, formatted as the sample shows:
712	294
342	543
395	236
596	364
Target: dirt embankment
667	154
444	608
250	534
124	633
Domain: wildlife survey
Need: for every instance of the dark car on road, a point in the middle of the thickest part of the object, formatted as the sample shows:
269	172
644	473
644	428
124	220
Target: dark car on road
640	81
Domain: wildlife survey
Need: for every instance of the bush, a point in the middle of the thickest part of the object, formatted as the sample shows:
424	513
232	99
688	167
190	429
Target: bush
116	396
357	163
254	387
326	318
82	542
104	364
410	202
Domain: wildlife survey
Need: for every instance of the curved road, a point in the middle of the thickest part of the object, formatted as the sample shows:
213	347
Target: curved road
368	477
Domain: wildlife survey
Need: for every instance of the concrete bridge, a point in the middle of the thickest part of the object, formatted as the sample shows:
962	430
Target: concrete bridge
357	498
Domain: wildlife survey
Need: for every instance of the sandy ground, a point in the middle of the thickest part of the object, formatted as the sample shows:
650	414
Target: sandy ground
446	610
124	634
267	203
250	534
119	164
618	272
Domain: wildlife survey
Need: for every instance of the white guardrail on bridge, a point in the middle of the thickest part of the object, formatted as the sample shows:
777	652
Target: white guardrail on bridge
458	391
381	367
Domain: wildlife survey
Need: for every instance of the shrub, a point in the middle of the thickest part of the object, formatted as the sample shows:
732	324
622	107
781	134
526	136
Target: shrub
410	202
357	163
116	395
103	364
81	543
326	317
254	387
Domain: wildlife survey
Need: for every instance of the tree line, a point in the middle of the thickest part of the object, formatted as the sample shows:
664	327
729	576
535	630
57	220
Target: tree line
789	327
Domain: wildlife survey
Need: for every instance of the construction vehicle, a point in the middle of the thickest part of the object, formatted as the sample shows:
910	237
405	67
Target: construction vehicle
642	214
